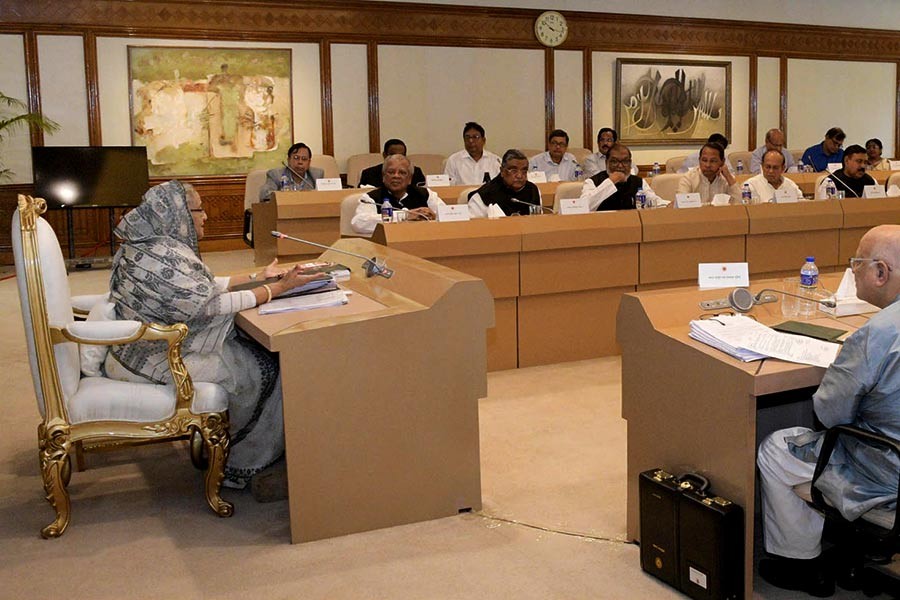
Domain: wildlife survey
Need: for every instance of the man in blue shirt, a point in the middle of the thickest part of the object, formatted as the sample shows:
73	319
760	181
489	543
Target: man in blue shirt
861	388
829	151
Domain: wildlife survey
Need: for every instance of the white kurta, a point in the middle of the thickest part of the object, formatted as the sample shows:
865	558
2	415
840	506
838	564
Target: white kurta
465	170
763	191
695	181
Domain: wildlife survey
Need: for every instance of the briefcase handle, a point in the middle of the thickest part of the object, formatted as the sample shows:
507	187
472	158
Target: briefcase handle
693	481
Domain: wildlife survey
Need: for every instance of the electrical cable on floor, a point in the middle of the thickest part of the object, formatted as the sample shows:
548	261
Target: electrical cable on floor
550	530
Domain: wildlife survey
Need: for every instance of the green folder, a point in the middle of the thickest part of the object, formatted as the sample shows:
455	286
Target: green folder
828	334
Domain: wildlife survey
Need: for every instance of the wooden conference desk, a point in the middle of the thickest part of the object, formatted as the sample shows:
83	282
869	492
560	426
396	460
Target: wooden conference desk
316	216
691	407
807	181
381	396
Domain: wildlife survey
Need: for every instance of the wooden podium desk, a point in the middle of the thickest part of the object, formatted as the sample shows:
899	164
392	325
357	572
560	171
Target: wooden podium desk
860	215
675	240
381	396
691	407
781	236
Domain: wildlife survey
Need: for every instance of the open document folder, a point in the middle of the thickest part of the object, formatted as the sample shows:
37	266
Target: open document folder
323	300
747	339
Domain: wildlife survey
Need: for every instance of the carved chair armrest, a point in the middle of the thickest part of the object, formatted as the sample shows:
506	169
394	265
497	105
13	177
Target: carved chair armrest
107	333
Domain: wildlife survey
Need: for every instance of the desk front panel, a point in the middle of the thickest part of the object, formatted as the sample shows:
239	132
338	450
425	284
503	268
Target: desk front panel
780	253
576	269
676	260
860	215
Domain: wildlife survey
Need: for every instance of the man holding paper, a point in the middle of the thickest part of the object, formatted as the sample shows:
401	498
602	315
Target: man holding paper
420	203
852	178
861	388
771	181
615	188
711	177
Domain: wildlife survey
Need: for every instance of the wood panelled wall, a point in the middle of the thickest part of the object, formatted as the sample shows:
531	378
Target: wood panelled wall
375	23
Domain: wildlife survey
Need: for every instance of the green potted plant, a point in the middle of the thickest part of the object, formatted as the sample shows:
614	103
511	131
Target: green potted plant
14	115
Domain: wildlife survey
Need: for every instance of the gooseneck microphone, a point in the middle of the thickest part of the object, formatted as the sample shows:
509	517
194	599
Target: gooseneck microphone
742	300
373	266
826	302
286	166
529	204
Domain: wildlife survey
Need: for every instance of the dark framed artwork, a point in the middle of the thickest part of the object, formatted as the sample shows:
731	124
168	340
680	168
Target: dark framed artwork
671	101
210	111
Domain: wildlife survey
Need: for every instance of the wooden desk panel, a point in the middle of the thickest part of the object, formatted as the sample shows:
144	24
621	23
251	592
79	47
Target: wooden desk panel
609	228
795	216
860	215
575	269
690	223
676	260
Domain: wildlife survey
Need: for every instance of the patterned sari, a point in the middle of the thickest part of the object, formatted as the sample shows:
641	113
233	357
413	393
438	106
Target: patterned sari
158	276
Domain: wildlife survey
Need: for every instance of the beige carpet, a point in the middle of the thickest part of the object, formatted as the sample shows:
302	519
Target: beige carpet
553	456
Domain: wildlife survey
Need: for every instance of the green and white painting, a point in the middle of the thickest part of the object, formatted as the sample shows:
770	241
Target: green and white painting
210	111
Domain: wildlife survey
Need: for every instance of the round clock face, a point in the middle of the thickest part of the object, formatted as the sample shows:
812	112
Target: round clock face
551	28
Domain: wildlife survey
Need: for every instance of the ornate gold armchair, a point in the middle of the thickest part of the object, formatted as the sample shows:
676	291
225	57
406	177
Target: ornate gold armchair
76	408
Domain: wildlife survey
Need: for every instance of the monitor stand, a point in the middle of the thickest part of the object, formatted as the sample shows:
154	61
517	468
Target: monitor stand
89	262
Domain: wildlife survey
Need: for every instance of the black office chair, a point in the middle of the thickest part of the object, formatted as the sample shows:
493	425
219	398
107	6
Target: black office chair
865	547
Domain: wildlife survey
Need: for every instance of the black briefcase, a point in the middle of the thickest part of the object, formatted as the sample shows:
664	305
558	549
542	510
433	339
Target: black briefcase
690	538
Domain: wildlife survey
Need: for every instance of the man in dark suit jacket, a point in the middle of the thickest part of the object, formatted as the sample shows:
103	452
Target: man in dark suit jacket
373	176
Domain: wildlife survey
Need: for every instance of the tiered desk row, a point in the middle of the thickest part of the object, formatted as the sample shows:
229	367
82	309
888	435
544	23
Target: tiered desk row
557	280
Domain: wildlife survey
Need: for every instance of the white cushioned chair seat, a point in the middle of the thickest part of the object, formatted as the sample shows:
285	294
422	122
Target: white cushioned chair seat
101	399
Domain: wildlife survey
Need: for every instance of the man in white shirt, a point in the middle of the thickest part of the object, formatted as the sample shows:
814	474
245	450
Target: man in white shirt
774	141
419	203
556	163
596	162
764	185
711	177
615	188
692	160
474	165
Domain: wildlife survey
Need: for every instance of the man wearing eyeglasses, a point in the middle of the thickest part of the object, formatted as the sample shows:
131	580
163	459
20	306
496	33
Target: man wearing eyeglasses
861	388
556	163
473	165
829	151
615	188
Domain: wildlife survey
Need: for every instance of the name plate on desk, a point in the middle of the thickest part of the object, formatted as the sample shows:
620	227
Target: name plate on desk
832	167
573	206
722	275
894	165
785	196
873	191
452	212
328	184
691	200
442	180
537	177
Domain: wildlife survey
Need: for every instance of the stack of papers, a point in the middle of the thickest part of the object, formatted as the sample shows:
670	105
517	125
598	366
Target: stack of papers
281	305
748	340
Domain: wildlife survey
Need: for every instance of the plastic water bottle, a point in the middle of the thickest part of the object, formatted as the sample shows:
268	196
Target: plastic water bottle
640	199
286	183
579	172
746	194
655	170
809	281
387	211
830	188
740	168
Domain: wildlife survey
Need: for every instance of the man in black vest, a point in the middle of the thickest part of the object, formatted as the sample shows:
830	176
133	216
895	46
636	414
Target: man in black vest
419	203
615	188
852	178
373	176
510	190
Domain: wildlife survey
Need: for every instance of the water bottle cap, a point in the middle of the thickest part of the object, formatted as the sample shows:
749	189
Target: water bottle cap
810	259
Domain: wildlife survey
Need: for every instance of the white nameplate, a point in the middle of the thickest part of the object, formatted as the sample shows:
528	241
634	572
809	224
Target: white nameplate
452	212
691	200
873	191
573	206
442	180
894	165
832	167
537	177
554	178
329	184
722	275
785	196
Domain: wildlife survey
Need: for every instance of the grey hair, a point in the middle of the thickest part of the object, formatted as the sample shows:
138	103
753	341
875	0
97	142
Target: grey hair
512	154
391	157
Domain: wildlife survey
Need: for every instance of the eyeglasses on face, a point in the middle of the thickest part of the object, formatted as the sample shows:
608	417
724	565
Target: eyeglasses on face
616	161
856	263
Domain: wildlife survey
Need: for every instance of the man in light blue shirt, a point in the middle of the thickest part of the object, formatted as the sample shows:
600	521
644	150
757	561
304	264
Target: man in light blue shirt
861	388
774	141
556	163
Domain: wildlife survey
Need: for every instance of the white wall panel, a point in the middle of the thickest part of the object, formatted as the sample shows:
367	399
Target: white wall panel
569	89
858	97
604	72
427	94
15	150
349	85
112	63
63	88
768	97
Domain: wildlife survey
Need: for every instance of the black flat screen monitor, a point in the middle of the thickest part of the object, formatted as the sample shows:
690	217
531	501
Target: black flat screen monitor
90	176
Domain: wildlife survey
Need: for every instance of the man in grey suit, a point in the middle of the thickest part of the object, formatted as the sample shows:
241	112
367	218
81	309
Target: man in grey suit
297	173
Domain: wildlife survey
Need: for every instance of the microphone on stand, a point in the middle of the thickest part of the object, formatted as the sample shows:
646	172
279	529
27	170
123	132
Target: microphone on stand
529	204
742	300
373	266
286	166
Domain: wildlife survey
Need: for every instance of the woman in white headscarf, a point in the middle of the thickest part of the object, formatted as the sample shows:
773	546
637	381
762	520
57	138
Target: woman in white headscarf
158	276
